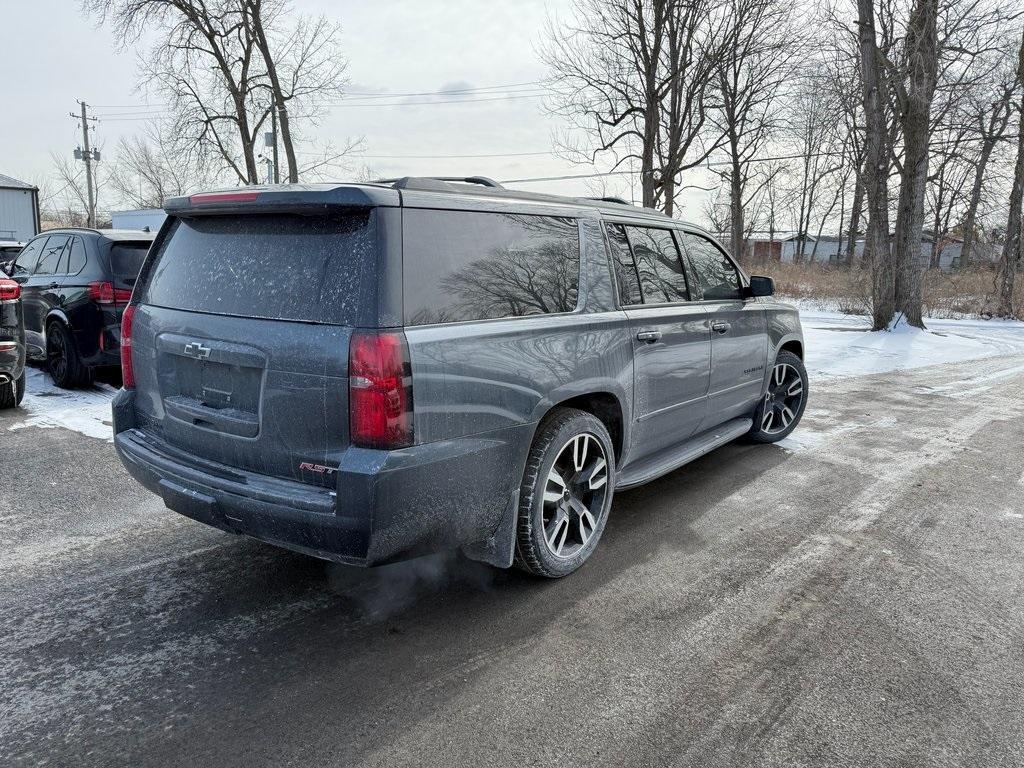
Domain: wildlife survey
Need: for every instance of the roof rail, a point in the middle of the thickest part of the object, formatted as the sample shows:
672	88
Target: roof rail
618	200
413	182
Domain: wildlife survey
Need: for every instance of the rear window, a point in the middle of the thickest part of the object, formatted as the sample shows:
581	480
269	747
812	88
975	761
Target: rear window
278	267
467	265
126	260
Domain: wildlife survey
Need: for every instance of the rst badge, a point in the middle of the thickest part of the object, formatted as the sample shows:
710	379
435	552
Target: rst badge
319	469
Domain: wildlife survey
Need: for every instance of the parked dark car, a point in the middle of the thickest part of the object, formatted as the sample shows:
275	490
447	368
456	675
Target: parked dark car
75	285
12	344
367	372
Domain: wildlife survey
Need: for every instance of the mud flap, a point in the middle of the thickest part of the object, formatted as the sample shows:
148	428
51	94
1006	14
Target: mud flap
499	549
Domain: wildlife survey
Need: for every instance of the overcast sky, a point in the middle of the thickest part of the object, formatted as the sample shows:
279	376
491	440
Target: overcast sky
53	55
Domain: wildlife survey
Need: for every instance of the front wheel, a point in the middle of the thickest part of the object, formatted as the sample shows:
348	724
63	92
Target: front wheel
783	403
566	494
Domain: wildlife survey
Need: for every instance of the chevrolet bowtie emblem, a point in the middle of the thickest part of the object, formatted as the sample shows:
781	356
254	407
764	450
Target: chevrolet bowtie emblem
195	349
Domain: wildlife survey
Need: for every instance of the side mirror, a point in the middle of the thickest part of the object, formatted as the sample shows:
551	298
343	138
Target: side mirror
760	286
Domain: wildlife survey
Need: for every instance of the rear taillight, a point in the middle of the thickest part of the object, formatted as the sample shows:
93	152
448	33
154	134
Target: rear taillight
127	370
106	293
9	290
379	390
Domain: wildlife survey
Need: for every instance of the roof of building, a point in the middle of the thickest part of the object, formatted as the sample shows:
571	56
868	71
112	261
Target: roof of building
8	182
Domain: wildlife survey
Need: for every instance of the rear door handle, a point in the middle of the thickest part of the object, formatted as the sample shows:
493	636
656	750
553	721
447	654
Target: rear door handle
648	337
55	285
720	326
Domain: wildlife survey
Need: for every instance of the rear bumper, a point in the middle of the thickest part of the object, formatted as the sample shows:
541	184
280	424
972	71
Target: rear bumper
385	506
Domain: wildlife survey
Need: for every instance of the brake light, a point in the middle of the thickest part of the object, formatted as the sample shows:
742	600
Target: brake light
379	390
106	293
9	290
223	197
127	370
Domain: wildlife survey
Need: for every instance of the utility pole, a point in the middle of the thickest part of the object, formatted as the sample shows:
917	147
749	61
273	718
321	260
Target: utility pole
88	155
273	128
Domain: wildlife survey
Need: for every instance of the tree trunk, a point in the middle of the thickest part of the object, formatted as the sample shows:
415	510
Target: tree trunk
970	219
922	58
736	205
1007	275
856	211
876	170
255	14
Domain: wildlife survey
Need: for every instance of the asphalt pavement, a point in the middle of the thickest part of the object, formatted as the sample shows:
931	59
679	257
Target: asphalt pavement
854	598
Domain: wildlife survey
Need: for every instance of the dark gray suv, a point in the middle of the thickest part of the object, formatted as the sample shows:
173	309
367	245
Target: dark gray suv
368	372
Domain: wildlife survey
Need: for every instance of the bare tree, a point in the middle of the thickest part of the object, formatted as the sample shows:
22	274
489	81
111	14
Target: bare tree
225	67
147	170
988	112
760	50
636	77
876	167
913	90
304	65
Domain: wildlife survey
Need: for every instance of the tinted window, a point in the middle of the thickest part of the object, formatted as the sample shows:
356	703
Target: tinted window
27	259
282	267
661	271
622	262
76	256
50	260
715	271
126	261
464	265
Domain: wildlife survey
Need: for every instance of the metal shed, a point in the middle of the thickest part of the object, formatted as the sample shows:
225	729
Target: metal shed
19	209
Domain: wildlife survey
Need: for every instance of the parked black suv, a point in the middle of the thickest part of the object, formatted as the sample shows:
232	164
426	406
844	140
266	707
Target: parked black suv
12	344
366	372
75	284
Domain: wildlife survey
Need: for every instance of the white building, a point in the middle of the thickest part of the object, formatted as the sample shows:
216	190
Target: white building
19	209
144	219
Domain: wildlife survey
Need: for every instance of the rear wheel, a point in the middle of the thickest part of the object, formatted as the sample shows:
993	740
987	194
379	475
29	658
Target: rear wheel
12	393
783	403
66	368
566	493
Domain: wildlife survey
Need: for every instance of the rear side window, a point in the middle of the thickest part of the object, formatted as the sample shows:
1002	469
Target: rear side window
657	261
279	267
126	261
467	265
76	257
626	279
715	271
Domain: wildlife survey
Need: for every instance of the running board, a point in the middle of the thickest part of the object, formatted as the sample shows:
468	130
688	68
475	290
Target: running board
694	448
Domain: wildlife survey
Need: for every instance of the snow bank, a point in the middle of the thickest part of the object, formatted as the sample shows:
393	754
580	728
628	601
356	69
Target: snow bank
83	410
842	345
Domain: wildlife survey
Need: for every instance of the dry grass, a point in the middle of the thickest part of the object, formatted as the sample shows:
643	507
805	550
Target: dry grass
963	293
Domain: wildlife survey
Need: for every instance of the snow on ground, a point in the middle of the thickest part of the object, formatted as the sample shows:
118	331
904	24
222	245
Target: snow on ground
842	345
837	345
83	410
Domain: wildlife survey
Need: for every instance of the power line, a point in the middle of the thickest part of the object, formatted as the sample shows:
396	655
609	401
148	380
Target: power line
370	94
136	116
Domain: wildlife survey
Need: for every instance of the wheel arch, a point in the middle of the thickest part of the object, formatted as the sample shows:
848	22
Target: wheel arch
56	315
794	345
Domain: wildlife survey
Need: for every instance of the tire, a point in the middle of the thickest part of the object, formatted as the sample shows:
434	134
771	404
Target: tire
562	437
66	368
13	393
782	406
